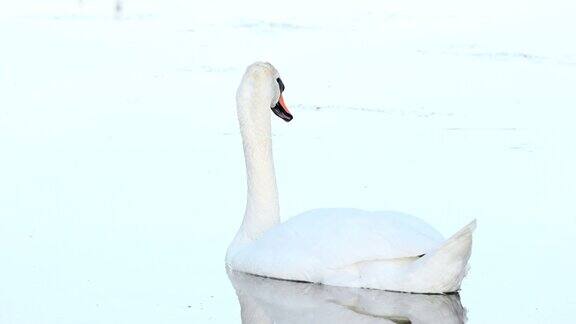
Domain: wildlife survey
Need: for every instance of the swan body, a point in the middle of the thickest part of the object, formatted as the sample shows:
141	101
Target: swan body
339	247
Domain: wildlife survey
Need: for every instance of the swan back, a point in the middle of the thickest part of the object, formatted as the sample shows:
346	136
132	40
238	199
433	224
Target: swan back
321	243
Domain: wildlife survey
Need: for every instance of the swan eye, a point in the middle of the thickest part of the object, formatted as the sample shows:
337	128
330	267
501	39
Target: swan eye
281	84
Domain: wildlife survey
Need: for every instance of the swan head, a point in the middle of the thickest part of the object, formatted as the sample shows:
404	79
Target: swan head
262	82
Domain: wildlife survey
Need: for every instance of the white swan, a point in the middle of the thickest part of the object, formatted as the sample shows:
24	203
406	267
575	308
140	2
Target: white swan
266	301
339	247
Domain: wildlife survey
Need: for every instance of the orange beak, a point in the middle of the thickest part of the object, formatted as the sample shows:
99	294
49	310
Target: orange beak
281	110
281	101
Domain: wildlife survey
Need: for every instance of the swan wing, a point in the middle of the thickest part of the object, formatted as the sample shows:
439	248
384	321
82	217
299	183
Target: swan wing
310	244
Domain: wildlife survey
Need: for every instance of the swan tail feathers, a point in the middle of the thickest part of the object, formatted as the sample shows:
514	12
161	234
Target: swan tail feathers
442	270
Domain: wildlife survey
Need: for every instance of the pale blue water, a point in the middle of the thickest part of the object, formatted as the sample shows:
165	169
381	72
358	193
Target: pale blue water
121	170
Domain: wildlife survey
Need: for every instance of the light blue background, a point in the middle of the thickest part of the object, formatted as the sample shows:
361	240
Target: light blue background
121	171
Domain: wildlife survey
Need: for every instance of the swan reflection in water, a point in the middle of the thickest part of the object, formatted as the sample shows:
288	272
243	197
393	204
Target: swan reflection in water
267	301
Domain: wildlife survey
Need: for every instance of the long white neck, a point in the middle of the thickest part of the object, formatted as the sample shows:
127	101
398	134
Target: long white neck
262	209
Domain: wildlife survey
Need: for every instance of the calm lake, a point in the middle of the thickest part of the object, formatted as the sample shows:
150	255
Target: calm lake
122	176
